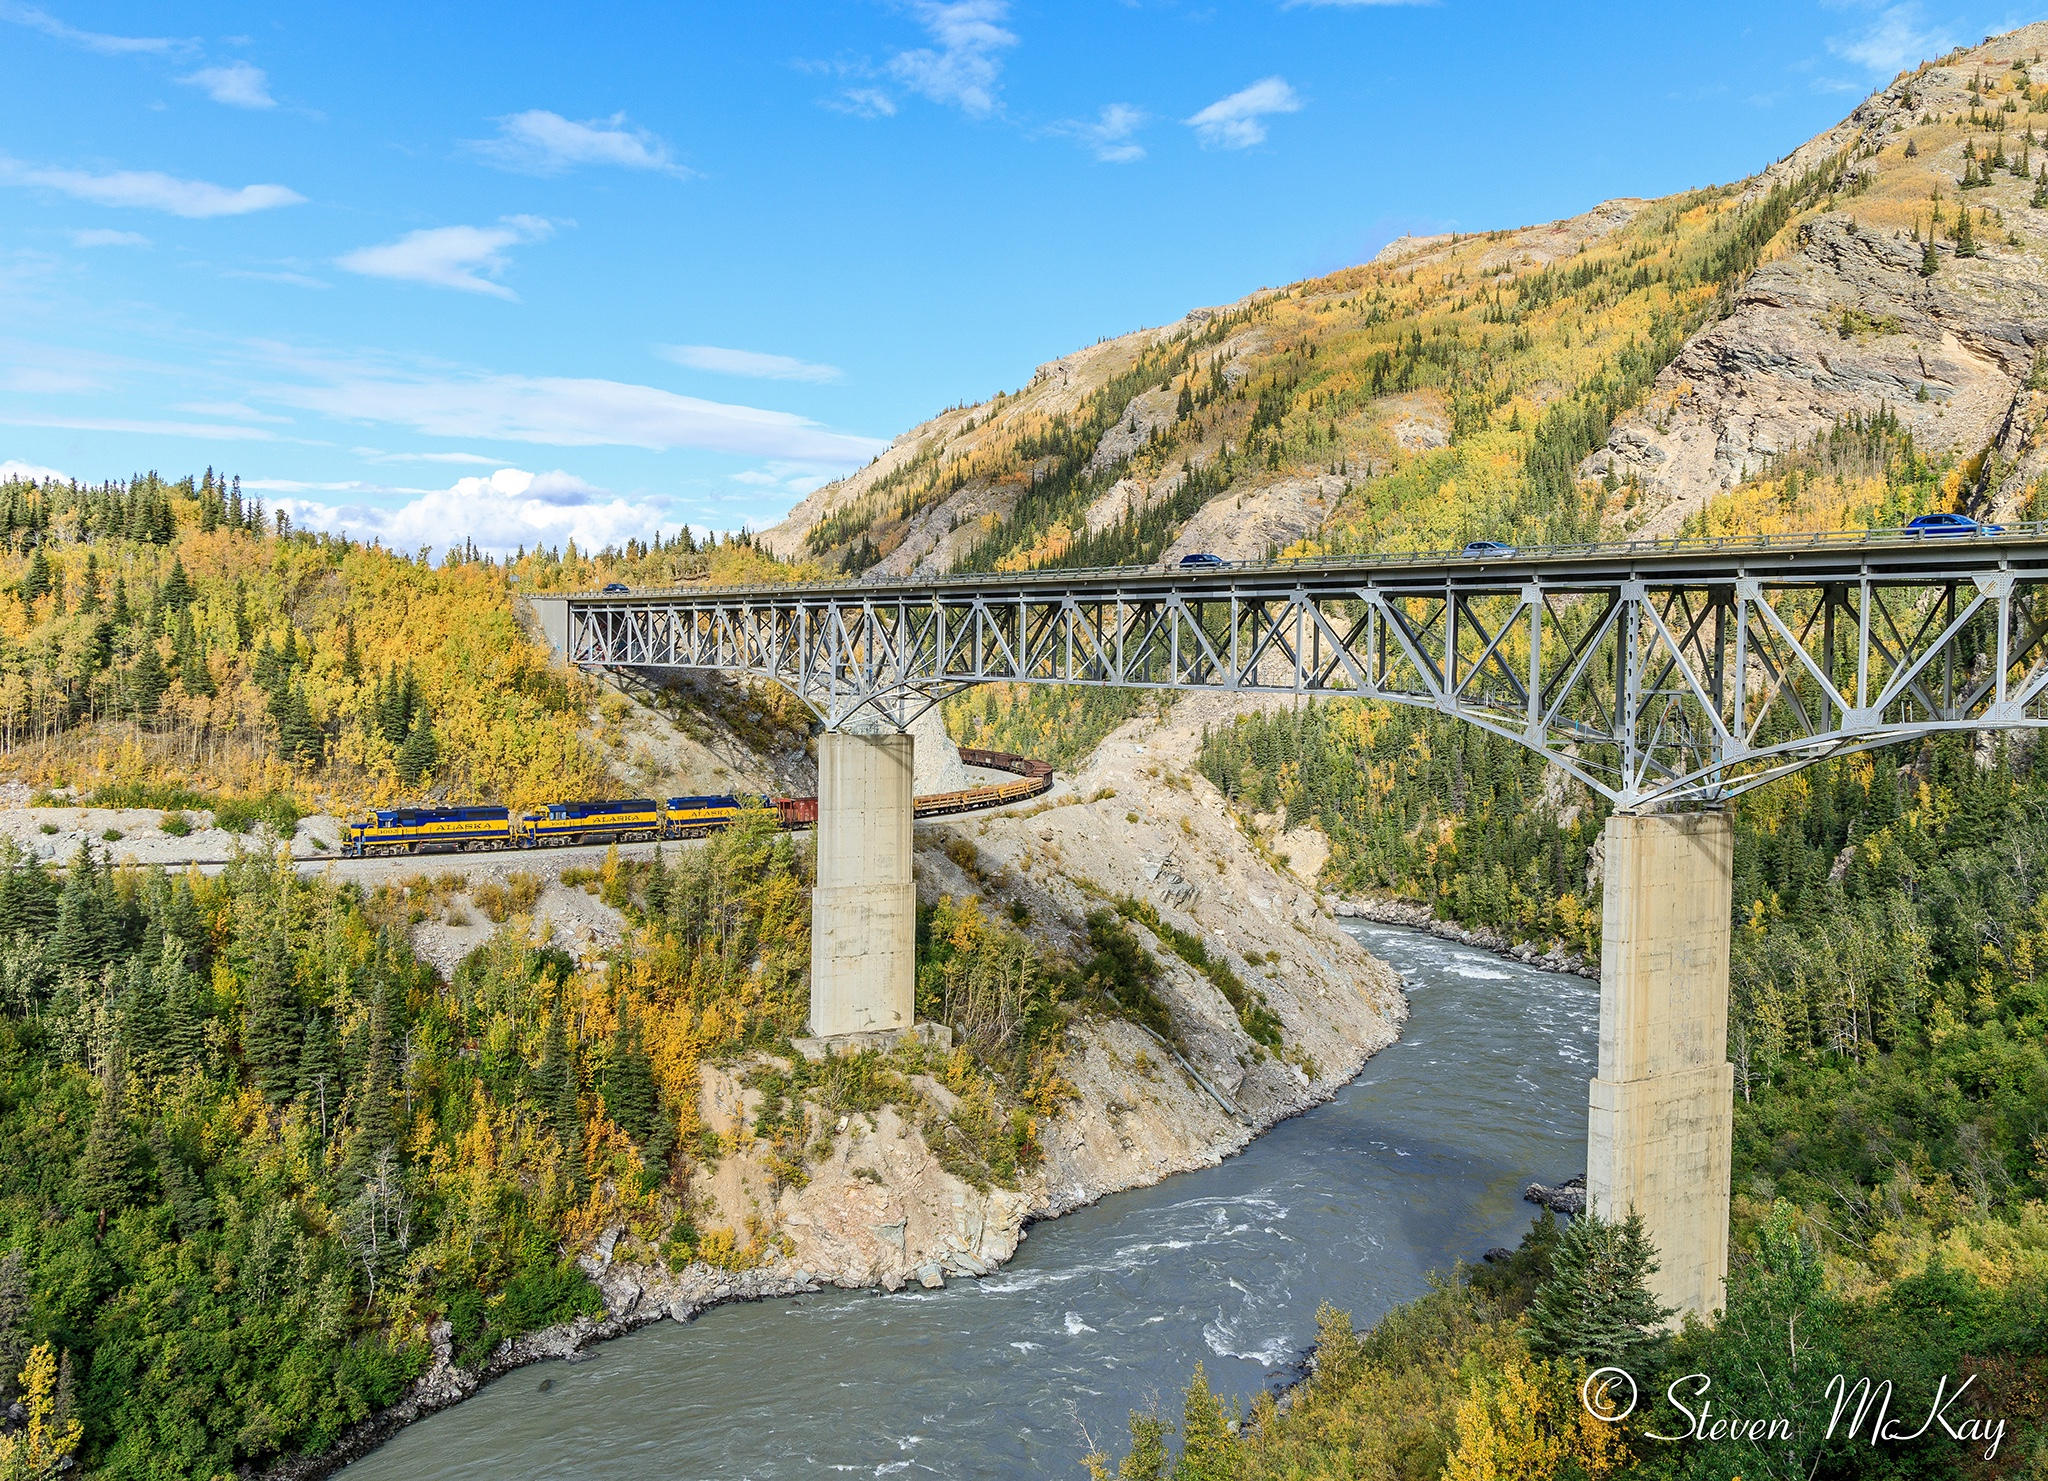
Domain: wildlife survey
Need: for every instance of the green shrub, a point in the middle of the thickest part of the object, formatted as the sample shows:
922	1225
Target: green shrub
243	813
163	796
176	824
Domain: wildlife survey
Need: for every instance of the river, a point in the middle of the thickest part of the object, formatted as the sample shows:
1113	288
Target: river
1418	1162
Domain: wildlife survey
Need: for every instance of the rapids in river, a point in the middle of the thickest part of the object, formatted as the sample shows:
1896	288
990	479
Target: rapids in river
1417	1163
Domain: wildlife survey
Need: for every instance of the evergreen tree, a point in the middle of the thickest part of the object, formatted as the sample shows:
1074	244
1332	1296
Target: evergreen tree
376	1128
105	1177
120	616
147	681
240	611
319	1079
185	1193
177	594
558	1086
419	753
270	1017
1966	243
1930	260
628	1085
86	937
185	1016
35	584
14	1322
1596	1308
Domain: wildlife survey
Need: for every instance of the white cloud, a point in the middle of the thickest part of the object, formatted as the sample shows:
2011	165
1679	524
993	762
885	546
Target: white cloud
450	256
33	472
563	412
962	68
297	280
542	143
153	191
235	409
865	102
1897	39
748	363
237	84
104	237
509	508
1236	122
476	459
47	380
49	25
1108	136
211	431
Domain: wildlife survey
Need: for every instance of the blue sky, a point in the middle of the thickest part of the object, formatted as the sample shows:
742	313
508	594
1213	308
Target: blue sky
527	271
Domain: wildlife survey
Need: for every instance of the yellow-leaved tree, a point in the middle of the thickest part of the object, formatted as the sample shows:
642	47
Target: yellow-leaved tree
43	1445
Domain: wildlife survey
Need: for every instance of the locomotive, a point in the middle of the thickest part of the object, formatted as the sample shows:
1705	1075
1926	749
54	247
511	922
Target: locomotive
419	830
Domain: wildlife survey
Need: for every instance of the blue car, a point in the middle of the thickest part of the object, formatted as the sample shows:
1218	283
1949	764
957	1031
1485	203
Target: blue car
1202	558
1951	524
615	588
1488	550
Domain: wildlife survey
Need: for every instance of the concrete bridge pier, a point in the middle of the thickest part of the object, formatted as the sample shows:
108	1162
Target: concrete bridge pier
1662	1106
864	909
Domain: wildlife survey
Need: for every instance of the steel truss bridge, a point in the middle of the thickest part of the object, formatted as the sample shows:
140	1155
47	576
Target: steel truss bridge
1656	673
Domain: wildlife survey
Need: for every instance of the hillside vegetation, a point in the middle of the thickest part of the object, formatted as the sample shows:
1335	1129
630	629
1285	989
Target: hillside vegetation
164	644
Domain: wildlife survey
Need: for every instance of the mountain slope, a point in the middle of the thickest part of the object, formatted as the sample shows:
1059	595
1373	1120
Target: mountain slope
1615	371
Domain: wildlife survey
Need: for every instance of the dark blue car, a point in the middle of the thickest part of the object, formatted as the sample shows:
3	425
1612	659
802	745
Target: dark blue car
1202	558
1951	524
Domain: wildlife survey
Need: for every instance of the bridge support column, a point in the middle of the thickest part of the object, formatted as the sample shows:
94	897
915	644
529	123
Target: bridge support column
1662	1107
864	909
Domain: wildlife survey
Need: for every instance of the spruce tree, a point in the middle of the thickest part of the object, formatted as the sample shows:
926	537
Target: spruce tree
177	587
319	1079
185	1193
36	583
419	753
84	938
1596	1308
558	1085
376	1128
147	680
270	1018
104	1179
628	1086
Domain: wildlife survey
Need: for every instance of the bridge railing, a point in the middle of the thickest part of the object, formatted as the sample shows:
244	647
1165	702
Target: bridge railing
2017	531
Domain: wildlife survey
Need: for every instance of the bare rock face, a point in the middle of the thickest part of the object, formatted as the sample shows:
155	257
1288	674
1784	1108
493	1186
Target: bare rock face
1780	369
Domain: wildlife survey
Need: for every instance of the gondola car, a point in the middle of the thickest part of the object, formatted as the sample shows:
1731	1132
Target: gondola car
418	830
635	820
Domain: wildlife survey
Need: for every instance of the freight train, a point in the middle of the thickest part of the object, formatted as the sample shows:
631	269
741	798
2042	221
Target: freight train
420	830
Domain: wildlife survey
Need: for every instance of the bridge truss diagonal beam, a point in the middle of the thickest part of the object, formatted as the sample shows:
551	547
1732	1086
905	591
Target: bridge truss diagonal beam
1672	675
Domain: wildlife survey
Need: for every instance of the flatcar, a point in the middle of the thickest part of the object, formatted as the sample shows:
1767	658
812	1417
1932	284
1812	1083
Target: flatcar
419	830
635	820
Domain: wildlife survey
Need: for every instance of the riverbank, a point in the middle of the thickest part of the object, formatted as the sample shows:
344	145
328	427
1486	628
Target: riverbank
1419	917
